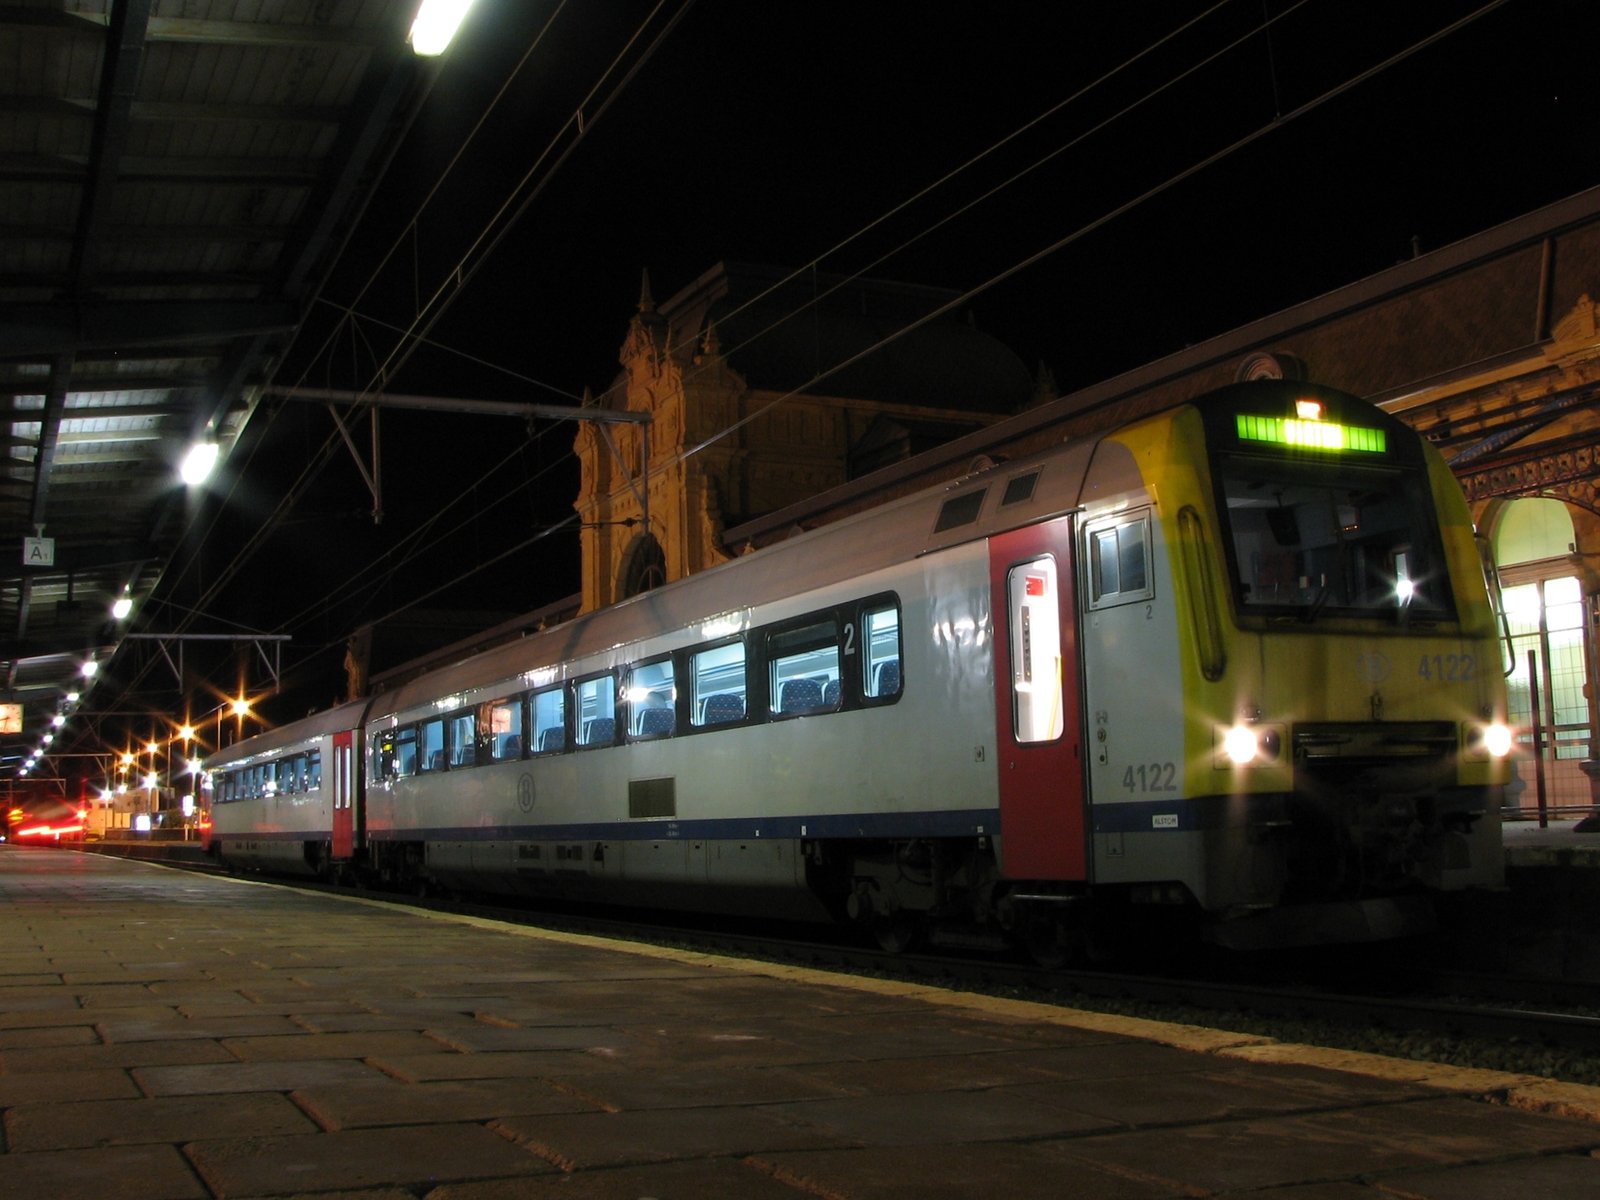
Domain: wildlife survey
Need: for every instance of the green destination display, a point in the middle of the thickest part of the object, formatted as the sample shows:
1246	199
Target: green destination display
1314	435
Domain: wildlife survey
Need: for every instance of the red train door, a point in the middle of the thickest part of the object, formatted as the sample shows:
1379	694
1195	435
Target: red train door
344	780
1042	819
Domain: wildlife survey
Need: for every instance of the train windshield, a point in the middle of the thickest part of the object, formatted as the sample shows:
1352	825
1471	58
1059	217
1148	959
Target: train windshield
1319	539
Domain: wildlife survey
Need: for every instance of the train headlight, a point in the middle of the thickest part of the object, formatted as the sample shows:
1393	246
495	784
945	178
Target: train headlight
1240	744
1497	740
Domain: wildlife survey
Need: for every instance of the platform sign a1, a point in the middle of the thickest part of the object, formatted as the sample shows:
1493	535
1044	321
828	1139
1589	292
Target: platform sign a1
38	552
10	718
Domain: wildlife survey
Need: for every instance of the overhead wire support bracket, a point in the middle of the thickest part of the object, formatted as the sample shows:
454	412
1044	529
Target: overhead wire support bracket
373	478
260	641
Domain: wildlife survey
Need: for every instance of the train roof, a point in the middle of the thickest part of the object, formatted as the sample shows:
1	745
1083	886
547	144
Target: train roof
333	720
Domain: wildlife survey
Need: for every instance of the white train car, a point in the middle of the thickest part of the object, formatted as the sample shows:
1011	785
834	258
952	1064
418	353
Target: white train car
1134	669
283	800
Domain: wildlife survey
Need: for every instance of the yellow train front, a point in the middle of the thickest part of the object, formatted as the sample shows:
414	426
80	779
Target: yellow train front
1336	749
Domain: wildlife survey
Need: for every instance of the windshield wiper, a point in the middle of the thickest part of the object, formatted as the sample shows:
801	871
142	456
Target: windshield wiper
1315	607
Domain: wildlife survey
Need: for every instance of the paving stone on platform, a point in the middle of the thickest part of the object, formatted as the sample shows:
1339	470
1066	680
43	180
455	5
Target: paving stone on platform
10	979
586	1140
302	1045
115	1173
482	1038
425	1068
124	1000
706	1179
975	1172
57	995
939	1118
123	1122
218	1078
696	1089
54	1087
1558	1177
101	1056
1189	1098
410	1155
1323	1191
116	1029
58	1035
928	1073
1112	1061
238	1006
362	1021
890	1040
1332	1145
393	1103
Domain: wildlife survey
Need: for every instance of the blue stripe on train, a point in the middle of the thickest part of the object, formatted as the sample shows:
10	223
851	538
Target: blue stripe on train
954	823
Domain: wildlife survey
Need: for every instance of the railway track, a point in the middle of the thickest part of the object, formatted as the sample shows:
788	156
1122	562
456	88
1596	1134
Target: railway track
1499	1021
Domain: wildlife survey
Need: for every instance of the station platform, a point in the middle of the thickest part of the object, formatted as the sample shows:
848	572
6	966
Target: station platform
1557	845
166	1035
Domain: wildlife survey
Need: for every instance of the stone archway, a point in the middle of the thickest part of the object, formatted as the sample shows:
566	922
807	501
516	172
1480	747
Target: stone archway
644	566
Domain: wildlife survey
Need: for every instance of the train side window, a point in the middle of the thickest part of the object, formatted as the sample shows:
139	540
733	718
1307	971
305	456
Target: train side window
717	685
595	711
297	774
804	667
550	721
1118	555
500	724
314	770
463	740
430	745
880	661
652	700
1036	668
405	751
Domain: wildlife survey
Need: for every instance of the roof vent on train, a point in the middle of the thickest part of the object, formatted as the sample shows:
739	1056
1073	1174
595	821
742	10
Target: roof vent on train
960	510
1275	365
985	462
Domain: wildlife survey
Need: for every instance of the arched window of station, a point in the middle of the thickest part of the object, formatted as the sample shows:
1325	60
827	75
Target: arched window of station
1535	548
644	566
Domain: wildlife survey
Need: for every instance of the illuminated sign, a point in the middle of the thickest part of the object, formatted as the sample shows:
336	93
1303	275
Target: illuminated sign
1314	435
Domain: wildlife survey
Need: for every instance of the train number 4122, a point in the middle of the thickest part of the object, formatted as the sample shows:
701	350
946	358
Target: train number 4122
1154	777
1447	668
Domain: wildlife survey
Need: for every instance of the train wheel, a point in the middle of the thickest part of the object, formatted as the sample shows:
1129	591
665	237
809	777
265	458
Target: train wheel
1050	943
896	933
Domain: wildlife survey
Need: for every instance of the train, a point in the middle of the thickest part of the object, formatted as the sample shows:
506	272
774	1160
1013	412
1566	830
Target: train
1235	662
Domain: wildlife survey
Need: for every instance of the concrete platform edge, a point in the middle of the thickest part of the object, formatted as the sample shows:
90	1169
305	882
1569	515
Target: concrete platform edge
1528	1092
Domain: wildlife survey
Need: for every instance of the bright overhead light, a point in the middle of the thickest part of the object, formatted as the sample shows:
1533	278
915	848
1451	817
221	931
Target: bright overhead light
197	464
121	607
196	766
436	24
72	697
89	669
241	708
186	733
152	748
48	738
127	760
150	780
58	720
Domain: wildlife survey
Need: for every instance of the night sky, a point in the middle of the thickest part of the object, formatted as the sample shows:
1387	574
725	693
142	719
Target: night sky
770	133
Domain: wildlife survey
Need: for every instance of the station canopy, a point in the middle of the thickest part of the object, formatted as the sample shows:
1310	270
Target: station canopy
176	179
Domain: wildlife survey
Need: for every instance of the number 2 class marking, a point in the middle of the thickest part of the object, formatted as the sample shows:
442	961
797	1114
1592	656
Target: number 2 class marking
849	638
1151	777
1447	668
